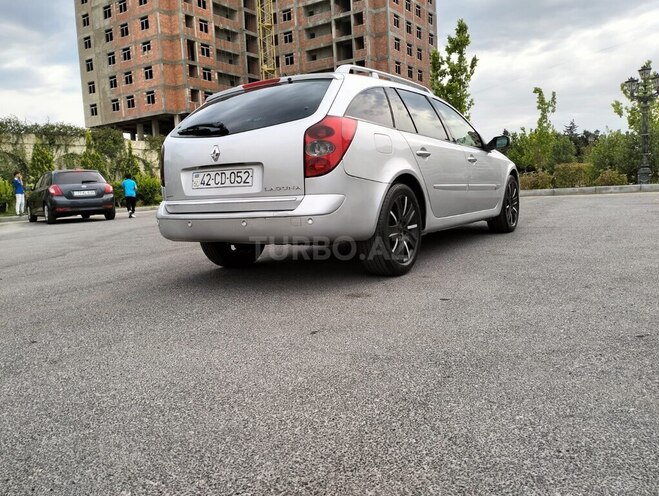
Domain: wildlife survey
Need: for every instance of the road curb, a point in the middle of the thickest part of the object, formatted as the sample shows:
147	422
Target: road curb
592	190
16	218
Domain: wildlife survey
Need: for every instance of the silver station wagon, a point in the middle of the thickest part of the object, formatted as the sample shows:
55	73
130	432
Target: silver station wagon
356	156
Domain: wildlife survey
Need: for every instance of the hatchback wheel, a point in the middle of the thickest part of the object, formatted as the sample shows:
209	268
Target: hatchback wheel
48	214
232	255
85	216
30	216
507	219
393	249
111	214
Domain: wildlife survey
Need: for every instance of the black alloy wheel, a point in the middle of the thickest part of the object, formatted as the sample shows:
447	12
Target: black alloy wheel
508	218
393	249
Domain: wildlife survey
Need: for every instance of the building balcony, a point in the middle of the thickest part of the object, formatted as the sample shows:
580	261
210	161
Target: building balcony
359	30
314	20
233	69
224	23
316	65
319	42
228	46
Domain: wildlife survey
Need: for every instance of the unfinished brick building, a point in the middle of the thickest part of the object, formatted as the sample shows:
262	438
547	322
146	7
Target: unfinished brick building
146	64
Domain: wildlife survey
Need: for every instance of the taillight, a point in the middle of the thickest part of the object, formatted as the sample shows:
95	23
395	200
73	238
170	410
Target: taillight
161	163
108	188
261	84
325	144
55	190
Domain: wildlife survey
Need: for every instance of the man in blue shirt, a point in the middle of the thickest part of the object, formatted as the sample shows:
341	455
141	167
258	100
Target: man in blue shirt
130	193
20	193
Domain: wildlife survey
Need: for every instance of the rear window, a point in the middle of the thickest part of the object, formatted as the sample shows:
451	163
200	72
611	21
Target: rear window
78	177
256	109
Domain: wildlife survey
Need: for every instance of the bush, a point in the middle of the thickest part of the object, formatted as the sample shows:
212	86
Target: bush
7	196
148	190
610	177
535	180
572	175
118	193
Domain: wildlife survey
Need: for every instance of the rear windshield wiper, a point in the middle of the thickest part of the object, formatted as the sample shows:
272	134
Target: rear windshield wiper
205	129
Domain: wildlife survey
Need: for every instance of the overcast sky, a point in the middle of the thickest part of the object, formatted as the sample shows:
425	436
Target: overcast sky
581	50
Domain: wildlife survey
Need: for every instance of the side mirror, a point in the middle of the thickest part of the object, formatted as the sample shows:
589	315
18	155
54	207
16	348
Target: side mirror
500	143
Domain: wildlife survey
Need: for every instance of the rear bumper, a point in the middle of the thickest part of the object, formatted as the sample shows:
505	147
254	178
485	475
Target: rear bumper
63	207
317	218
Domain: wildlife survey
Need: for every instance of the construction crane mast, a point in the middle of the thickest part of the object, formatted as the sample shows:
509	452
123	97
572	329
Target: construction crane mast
267	55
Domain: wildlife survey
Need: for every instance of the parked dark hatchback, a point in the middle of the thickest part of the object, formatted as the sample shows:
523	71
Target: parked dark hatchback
67	193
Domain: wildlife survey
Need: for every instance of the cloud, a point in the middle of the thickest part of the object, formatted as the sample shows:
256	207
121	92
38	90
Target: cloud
39	73
581	51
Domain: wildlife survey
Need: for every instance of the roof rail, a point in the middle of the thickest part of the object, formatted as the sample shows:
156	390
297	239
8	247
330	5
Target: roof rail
354	69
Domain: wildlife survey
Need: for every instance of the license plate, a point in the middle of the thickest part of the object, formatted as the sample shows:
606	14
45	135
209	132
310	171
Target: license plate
223	178
86	192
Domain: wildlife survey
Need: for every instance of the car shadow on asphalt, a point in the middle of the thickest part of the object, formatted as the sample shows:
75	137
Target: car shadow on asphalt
295	266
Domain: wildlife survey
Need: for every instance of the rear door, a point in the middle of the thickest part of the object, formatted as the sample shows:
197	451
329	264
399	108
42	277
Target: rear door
245	152
38	196
442	162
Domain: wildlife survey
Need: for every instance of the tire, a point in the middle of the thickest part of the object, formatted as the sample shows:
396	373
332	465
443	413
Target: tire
111	214
394	247
48	214
232	255
508	218
85	216
30	216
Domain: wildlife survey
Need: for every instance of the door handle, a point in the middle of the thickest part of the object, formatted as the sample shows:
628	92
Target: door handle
471	159
423	153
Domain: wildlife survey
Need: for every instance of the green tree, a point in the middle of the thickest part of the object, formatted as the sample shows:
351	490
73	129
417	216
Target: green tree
7	197
563	150
451	74
41	162
92	159
617	151
537	149
129	163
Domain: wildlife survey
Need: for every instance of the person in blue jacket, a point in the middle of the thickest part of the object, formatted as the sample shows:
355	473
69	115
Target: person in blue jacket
130	193
19	190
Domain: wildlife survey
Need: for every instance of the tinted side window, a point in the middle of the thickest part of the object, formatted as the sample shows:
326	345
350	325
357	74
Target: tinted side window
263	107
423	115
402	118
40	182
371	105
461	130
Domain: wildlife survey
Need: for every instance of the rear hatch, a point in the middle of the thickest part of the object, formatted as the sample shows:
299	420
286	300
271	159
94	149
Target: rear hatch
80	184
244	149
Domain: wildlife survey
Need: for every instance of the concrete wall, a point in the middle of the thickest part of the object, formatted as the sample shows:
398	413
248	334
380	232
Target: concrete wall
76	146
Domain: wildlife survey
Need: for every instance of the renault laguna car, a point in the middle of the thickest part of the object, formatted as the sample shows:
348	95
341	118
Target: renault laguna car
66	193
356	154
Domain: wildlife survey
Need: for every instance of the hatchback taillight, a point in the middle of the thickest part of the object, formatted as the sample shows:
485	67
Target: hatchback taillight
325	144
55	190
108	188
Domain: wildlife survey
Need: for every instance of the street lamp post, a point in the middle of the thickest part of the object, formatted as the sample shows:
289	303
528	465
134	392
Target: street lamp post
644	91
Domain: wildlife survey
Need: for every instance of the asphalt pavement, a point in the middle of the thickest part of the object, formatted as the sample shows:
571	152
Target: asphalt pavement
524	363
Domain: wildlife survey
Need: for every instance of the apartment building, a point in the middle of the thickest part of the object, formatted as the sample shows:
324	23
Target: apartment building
146	64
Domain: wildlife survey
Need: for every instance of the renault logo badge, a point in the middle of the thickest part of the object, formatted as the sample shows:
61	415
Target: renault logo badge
215	154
